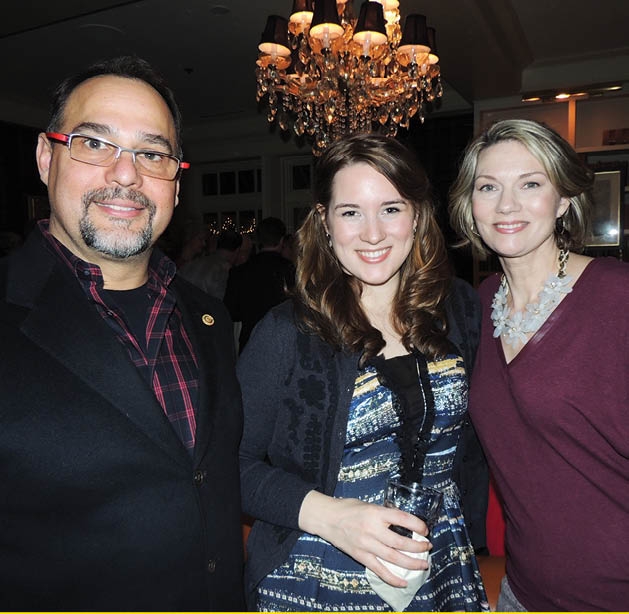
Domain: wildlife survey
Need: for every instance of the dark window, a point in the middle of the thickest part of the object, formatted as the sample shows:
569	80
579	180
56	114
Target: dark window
246	182
301	177
228	182
210	184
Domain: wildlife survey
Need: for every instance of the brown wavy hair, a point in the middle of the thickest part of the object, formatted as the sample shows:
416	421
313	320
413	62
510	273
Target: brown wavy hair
327	299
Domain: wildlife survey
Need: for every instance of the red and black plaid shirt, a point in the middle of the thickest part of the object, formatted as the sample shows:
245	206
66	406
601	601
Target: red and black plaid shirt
166	358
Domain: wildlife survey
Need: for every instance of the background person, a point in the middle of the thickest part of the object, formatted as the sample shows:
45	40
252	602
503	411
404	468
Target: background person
289	247
261	282
550	392
196	242
373	296
210	271
119	403
245	250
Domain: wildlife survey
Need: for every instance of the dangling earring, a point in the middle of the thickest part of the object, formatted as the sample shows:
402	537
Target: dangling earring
329	238
560	226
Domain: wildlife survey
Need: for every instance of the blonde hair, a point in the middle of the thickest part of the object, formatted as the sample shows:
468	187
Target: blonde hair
571	178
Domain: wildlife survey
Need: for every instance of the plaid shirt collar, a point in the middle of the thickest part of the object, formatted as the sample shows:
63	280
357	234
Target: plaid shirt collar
160	273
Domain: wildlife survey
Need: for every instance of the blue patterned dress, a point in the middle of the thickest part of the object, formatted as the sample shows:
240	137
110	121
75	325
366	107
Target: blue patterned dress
319	577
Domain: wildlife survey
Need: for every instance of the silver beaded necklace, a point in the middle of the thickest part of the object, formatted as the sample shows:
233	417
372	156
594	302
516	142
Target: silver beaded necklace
516	327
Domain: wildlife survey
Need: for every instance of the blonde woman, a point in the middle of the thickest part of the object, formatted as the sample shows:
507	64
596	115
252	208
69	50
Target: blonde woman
550	391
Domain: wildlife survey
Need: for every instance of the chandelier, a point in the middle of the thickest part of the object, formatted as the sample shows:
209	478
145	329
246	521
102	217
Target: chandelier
328	74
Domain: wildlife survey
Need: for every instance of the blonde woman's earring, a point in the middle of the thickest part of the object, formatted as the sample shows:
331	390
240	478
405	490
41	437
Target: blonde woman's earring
560	227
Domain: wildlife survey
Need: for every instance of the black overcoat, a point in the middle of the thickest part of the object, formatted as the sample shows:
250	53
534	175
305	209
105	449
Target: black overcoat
101	507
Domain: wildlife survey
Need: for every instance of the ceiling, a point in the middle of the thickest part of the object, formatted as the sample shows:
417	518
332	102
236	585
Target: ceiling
207	48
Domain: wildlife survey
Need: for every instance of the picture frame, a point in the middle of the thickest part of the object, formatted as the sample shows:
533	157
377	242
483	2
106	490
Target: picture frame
607	228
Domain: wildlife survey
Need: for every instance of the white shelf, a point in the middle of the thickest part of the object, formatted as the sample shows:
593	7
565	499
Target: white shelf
603	148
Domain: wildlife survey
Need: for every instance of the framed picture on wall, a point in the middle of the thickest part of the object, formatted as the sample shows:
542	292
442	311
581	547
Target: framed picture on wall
606	217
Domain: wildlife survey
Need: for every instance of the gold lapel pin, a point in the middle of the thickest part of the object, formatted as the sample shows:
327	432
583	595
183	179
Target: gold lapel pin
207	319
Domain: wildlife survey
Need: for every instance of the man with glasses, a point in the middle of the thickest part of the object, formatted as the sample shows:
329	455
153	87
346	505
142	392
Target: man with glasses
120	411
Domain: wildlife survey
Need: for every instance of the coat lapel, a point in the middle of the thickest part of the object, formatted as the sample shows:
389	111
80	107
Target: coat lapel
204	340
63	323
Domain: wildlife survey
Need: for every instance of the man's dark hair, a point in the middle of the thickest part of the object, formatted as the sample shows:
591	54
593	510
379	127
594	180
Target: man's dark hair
128	67
229	240
270	231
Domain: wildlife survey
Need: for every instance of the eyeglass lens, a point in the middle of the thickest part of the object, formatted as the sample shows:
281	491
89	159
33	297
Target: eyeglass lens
92	150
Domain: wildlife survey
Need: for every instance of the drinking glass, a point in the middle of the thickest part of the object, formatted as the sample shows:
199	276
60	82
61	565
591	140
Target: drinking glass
414	498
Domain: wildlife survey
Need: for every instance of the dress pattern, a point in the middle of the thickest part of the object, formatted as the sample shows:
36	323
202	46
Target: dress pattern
319	577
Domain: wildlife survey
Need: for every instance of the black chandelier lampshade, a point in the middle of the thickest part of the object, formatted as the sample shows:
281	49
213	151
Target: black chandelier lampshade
302	6
415	34
274	39
326	20
371	24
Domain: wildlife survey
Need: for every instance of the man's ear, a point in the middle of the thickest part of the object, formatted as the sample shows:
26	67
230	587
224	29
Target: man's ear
43	156
177	192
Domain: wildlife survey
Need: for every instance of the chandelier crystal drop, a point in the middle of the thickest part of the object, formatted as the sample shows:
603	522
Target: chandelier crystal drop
327	74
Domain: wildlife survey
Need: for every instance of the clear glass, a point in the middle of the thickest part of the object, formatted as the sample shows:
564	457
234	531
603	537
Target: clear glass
414	498
101	152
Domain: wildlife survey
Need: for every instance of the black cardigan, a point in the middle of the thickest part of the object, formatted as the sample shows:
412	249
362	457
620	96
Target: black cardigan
296	396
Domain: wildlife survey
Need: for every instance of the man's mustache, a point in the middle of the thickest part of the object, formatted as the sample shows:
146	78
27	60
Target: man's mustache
129	194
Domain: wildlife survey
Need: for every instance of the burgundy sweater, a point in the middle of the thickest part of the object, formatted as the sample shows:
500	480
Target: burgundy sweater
554	424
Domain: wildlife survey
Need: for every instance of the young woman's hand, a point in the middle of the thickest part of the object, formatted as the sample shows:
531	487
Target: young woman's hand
361	530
